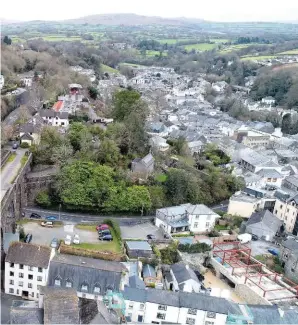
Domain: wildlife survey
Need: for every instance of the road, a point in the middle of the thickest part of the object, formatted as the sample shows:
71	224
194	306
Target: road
10	171
81	218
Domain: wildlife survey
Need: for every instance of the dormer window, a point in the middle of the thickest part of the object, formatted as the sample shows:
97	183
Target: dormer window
58	282
84	287
96	289
68	283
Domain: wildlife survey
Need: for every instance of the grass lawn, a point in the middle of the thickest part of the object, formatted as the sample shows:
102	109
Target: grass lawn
58	38
161	178
11	157
173	40
290	52
86	227
259	57
200	47
131	64
237	47
153	53
24	160
219	227
106	68
24	221
219	40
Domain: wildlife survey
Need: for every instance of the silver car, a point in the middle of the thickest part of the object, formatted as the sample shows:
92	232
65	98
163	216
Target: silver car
54	243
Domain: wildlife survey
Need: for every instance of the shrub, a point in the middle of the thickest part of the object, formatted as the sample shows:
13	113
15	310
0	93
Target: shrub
43	199
214	233
22	233
151	285
115	226
194	248
24	145
156	251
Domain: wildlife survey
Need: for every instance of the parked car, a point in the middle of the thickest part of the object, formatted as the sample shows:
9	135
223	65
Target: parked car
106	237
54	243
273	251
244	238
104	232
254	237
76	239
35	216
47	224
151	236
28	238
102	227
166	236
67	240
15	146
51	218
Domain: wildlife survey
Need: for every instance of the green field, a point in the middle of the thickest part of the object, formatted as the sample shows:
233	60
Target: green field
260	57
106	68
290	52
219	40
200	47
131	64
173	40
153	53
233	48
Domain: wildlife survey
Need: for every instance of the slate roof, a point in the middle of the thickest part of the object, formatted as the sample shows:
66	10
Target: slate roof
291	244
199	209
28	254
148	160
139	245
173	211
182	299
265	217
293	179
148	271
51	113
85	271
8	238
273	173
26	136
25	312
136	282
61	306
182	273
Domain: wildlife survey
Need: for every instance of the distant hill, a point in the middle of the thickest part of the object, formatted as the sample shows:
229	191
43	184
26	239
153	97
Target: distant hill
130	20
9	21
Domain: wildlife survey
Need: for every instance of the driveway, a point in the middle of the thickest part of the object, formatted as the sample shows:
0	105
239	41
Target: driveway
44	236
140	231
260	247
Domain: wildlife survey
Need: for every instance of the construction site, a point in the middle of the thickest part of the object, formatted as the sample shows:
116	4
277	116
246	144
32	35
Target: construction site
252	280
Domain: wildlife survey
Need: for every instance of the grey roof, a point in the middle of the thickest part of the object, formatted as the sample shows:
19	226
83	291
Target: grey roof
199	209
183	272
51	113
173	211
148	271
265	217
28	254
263	314
85	271
291	244
293	179
29	128
148	160
61	306
136	282
139	245
8	238
25	312
182	299
26	136
273	173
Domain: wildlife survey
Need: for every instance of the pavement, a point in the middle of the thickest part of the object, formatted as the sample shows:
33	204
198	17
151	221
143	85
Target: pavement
69	217
140	231
44	236
10	171
260	247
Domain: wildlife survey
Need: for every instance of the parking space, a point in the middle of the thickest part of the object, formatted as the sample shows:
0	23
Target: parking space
260	247
140	231
44	236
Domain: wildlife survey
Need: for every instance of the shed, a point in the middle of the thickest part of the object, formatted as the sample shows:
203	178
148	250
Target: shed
138	249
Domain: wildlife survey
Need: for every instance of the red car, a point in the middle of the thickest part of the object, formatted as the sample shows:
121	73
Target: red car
102	227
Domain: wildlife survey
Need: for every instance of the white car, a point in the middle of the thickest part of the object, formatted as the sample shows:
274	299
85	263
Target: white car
67	240
76	239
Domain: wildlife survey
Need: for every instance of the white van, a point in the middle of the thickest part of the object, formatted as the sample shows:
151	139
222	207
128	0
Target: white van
67	240
244	238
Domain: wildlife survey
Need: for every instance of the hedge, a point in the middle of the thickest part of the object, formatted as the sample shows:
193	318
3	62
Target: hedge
194	248
116	228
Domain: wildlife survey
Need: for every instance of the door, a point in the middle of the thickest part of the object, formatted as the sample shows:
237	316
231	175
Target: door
140	318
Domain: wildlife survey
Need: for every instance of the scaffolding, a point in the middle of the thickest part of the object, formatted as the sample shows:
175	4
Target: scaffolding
235	256
246	317
115	301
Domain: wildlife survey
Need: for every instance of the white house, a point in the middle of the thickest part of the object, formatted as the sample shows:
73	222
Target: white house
182	278
186	217
1	81
152	306
27	81
55	118
26	269
268	100
158	143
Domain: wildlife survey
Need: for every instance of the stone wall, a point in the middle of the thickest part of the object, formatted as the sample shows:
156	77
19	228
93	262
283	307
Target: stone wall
249	295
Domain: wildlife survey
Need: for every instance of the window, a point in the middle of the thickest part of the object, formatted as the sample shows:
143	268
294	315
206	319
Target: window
130	306
39	278
268	179
18	291
195	225
21	266
11	290
192	311
11	282
288	210
275	211
140	318
20	283
68	284
280	206
11	273
161	316
142	306
11	264
207	224
37	295
96	289
30	276
274	180
84	295
40	269
30	285
30	268
21	275
190	320
32	294
209	323
84	287
57	282
211	314
162	307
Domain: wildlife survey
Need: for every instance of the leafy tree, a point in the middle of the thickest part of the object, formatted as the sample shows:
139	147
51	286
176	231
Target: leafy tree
179	146
62	154
7	40
158	197
75	134
43	199
108	153
123	103
93	92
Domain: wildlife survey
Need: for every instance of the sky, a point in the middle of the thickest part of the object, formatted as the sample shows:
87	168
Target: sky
213	10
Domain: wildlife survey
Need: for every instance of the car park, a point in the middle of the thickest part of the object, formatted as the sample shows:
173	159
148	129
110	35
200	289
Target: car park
54	243
67	240
47	224
104	232
28	238
102	227
106	238
76	239
51	218
35	216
